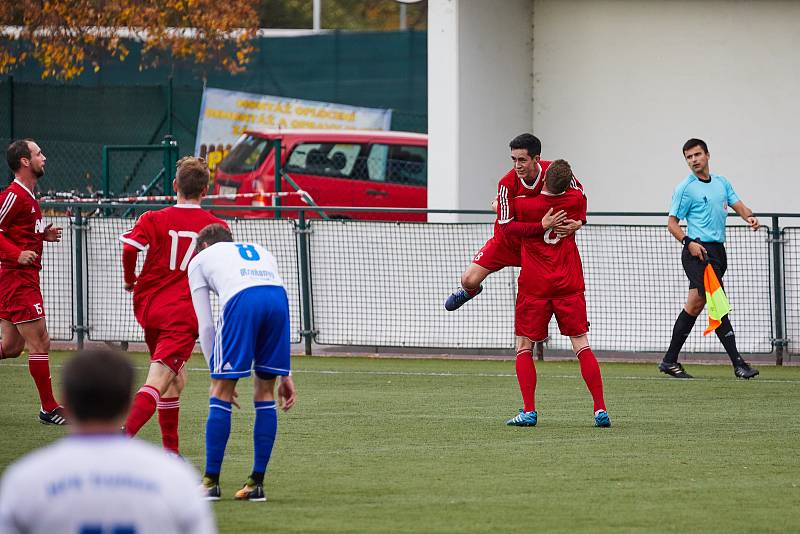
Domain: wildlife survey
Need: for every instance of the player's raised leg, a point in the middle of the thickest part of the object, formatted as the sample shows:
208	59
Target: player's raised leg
471	281
38	342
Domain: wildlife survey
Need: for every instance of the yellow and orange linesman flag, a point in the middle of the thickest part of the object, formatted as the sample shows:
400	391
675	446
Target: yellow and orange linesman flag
716	301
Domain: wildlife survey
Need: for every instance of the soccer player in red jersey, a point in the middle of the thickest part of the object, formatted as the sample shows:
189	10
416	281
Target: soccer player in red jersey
502	249
22	233
551	282
161	298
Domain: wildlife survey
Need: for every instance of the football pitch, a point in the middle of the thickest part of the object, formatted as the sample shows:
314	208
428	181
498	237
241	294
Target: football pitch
421	446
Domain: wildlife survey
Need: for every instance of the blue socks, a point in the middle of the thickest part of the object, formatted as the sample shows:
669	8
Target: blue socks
264	430
218	428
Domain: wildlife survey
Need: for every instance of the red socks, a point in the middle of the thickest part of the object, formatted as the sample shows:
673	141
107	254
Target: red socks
168	408
526	376
39	367
143	408
590	371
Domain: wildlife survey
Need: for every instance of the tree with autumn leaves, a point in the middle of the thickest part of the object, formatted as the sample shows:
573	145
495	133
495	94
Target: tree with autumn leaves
66	36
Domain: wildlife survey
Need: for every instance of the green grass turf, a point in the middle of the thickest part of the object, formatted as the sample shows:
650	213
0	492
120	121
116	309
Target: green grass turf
421	446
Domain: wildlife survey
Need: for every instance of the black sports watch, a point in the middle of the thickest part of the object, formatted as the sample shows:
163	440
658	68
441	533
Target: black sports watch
686	240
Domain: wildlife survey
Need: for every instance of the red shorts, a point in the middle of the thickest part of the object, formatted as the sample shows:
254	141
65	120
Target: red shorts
172	348
498	253
20	296
532	315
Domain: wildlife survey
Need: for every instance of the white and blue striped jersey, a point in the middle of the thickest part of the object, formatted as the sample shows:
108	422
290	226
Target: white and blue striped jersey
87	484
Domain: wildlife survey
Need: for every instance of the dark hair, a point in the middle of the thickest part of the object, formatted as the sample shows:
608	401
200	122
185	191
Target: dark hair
691	143
213	233
97	385
192	175
527	141
16	151
558	176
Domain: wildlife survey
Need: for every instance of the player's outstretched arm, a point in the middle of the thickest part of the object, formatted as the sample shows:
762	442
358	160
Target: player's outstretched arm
287	393
534	229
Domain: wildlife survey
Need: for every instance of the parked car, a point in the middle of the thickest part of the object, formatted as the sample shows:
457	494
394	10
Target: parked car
362	168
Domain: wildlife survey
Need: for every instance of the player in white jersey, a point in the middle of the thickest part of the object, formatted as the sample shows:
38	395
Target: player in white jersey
252	333
97	480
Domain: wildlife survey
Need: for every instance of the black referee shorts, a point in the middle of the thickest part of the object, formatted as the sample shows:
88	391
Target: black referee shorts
694	267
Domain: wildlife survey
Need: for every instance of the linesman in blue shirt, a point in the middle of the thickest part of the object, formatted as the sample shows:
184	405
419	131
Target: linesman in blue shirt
703	200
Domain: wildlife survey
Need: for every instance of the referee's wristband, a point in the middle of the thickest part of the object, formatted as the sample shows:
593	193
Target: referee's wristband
686	240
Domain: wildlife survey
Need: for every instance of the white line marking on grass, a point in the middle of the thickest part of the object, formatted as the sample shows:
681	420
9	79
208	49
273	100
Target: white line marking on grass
476	375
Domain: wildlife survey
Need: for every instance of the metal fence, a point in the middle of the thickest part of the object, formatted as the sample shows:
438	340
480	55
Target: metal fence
353	282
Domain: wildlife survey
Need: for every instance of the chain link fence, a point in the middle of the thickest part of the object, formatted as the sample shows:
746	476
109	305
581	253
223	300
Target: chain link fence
72	122
384	283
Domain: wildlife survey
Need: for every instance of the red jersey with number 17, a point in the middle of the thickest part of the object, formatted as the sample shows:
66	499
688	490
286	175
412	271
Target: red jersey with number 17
551	266
161	297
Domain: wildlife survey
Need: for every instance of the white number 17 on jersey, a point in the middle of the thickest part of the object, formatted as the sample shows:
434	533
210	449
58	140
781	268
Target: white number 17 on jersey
173	249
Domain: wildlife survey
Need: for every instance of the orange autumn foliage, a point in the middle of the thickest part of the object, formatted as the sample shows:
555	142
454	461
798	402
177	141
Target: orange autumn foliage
66	36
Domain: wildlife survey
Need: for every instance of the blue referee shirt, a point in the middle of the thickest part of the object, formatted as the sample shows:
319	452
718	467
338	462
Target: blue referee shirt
704	205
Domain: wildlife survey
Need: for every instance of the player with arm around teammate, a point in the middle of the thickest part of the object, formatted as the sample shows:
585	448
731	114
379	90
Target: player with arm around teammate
502	249
96	480
22	233
161	298
551	283
252	333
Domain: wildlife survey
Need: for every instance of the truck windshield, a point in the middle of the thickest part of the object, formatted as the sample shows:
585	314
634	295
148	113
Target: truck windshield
247	155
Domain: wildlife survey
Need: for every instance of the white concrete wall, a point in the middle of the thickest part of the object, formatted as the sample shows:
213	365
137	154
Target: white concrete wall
617	87
620	85
479	96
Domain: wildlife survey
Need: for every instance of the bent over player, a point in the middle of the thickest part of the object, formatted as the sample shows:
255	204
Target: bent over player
22	233
161	299
502	249
551	283
252	333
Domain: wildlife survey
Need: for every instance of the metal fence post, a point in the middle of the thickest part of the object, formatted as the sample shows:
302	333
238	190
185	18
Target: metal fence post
106	173
78	232
278	177
169	106
11	107
170	159
303	230
779	341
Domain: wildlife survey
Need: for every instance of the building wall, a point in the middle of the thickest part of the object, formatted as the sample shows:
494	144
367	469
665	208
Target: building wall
479	96
619	86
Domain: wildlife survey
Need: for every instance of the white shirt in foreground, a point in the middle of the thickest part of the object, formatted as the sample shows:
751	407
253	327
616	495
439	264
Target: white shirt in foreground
106	482
226	269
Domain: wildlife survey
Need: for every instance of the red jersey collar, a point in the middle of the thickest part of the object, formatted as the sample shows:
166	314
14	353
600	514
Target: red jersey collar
16	181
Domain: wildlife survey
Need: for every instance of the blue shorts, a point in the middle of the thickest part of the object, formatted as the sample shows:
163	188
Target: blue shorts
252	333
